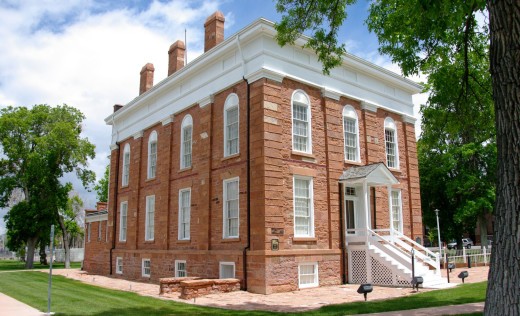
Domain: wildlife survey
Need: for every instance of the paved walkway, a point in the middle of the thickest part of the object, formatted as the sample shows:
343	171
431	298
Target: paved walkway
302	300
10	306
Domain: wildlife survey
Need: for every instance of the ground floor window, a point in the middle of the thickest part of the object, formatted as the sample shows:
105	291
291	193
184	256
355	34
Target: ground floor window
147	268
308	274
119	265
227	270
180	269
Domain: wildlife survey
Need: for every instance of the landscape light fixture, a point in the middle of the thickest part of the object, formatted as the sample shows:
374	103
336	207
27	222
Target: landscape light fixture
365	289
463	275
451	266
416	281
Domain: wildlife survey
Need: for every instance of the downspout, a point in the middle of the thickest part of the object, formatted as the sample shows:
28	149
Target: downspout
114	223
248	167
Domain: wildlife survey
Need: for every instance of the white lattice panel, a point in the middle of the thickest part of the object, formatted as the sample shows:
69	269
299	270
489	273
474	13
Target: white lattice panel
357	270
381	275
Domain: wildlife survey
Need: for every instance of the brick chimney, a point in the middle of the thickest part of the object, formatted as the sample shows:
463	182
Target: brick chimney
213	30
117	107
101	206
146	78
176	57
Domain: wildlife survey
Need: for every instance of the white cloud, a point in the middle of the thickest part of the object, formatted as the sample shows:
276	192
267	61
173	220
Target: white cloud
89	56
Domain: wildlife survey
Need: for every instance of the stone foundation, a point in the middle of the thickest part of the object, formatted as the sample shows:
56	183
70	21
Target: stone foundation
173	285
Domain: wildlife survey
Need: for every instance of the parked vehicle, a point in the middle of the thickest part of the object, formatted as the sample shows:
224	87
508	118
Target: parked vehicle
466	243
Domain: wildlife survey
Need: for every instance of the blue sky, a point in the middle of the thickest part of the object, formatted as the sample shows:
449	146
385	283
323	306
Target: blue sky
88	53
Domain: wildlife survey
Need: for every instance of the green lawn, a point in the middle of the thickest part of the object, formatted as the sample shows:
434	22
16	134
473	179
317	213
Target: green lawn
7	265
72	297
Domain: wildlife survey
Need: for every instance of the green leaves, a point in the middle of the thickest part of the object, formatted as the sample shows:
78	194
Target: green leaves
323	18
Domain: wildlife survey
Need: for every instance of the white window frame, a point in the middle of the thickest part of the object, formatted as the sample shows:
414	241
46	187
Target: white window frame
123	220
390	126
149	226
349	113
126	165
143	268
225	226
396	208
301	98
119	265
231	104
311	206
224	263
187	122
315	283
89	228
184	234
152	155
177	270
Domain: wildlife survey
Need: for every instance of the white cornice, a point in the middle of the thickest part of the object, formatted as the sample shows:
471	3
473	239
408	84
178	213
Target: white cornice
368	106
409	119
138	135
265	73
207	100
114	147
330	94
167	120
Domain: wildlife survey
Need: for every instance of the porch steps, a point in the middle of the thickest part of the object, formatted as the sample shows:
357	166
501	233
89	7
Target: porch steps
400	264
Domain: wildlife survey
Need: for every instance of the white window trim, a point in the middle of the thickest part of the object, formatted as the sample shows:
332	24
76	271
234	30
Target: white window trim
225	227
231	102
177	268
225	263
143	274
350	112
119	265
390	125
311	196
89	228
180	215
126	166
186	122
400	228
147	224
152	139
316	277
123	224
309	112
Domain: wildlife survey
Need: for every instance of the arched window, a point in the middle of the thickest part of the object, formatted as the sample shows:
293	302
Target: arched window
351	133
152	155
126	165
301	122
231	126
392	152
186	136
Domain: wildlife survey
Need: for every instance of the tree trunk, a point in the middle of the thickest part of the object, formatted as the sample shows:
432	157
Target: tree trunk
43	255
31	244
503	292
65	241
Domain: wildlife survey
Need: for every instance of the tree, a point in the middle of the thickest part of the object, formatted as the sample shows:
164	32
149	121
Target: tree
67	217
102	186
39	146
419	34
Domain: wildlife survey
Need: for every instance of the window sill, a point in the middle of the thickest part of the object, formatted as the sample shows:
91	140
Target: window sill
303	154
124	186
305	239
185	169
150	179
355	163
149	241
230	157
122	241
231	239
395	170
183	241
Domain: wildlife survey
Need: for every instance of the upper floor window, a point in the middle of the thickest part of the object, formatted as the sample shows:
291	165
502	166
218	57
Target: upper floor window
351	133
184	213
392	153
231	208
126	164
397	211
301	122
303	207
152	155
231	125
186	137
150	218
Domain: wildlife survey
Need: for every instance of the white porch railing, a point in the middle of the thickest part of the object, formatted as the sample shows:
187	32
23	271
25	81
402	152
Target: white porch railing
397	245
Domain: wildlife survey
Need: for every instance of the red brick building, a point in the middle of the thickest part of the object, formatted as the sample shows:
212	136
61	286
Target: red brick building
250	163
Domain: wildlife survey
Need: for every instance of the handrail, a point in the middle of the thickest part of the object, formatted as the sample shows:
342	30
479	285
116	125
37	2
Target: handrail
416	245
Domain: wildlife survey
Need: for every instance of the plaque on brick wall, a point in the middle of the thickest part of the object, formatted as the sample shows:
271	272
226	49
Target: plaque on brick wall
277	231
275	245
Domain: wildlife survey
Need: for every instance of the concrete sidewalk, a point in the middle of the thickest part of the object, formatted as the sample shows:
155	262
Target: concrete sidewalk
10	306
442	310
